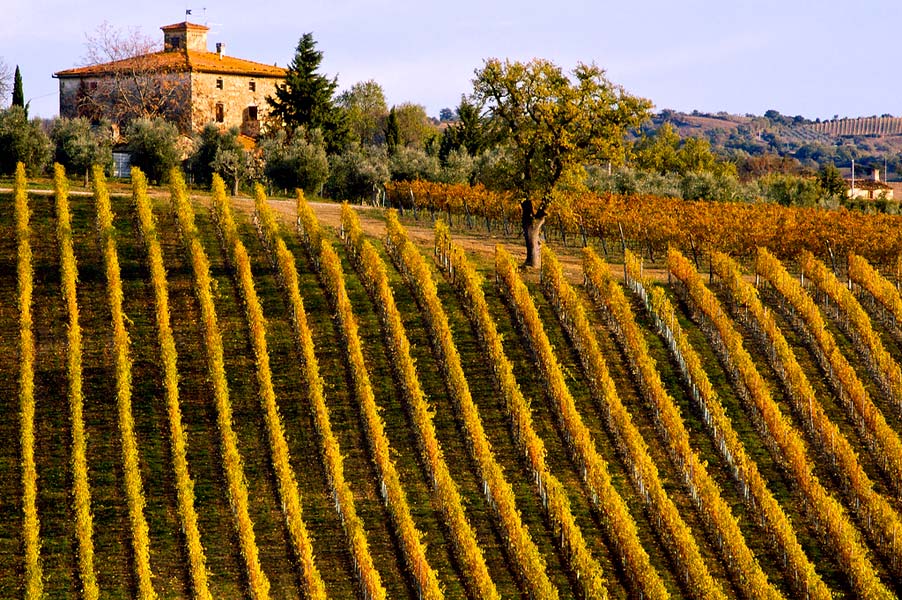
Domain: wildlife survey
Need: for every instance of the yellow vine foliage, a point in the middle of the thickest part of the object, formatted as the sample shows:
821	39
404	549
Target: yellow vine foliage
370	580
657	222
883	291
445	494
177	438
84	520
883	523
231	457
281	458
581	445
855	318
758	496
134	491
34	578
495	486
332	277
604	497
702	487
851	553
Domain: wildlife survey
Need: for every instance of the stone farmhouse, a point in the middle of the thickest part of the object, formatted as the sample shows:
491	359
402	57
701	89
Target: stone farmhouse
868	189
185	83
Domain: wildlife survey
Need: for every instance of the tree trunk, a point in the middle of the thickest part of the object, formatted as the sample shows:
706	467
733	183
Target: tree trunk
532	231
235	186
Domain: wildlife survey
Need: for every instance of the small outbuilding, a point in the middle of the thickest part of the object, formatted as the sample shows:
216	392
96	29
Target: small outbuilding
868	189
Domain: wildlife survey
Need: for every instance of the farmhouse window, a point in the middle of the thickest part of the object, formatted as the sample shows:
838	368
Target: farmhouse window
176	42
252	86
219	83
251	113
220	112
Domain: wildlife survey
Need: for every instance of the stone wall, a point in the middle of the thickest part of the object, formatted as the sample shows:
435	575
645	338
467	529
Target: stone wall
192	107
100	96
236	98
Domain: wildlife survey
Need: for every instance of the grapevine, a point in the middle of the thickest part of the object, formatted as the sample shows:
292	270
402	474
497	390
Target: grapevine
496	487
84	520
582	447
234	471
856	320
34	584
702	487
332	277
851	553
884	442
755	489
177	438
134	491
281	459
603	494
370	581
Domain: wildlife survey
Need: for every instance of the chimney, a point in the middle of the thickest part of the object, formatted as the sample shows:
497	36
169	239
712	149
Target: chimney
876	174
185	36
219	49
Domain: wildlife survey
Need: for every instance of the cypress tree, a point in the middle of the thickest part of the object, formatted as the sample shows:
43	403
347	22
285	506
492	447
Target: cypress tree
18	94
392	132
307	97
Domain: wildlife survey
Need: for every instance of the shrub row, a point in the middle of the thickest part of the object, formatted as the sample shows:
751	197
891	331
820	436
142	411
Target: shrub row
177	439
374	277
703	488
496	488
825	509
758	496
84	520
284	263
332	277
134	490
883	523
231	457
34	578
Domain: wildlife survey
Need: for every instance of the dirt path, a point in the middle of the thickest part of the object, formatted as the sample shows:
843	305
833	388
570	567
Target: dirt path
479	243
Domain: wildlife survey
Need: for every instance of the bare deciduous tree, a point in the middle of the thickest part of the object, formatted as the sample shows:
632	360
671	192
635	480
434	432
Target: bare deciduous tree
108	43
134	77
6	76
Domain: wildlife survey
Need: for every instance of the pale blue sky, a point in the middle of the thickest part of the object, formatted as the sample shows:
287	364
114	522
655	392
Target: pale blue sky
817	59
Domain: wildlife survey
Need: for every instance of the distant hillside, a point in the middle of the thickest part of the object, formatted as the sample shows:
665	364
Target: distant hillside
872	126
870	141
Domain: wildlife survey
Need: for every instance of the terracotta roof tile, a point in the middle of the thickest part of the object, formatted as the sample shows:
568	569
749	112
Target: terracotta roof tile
180	61
867	184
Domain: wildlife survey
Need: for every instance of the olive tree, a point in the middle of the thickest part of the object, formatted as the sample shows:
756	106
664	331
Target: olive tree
298	161
79	146
154	146
22	140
